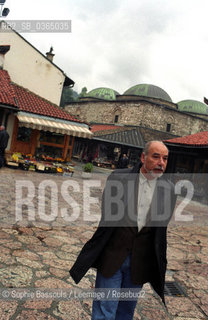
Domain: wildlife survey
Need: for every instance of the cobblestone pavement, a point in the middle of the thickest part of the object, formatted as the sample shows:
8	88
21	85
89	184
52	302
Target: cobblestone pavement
37	254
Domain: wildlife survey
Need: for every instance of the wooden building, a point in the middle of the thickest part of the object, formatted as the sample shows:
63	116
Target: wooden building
35	125
189	154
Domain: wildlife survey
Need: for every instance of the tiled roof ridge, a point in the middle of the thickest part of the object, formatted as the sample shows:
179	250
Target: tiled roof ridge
100	127
105	132
110	131
105	128
196	139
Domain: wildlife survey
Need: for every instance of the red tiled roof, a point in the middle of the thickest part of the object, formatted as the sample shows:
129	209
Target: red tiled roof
28	101
7	93
197	139
101	127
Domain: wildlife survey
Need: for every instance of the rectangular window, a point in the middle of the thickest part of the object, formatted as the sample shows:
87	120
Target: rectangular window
24	134
51	137
168	127
116	119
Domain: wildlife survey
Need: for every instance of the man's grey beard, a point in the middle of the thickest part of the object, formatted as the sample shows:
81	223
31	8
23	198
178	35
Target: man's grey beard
153	174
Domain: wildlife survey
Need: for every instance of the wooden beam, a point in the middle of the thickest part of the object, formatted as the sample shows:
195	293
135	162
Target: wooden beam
71	149
66	146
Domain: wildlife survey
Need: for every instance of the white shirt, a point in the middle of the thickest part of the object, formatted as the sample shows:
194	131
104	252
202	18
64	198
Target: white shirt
146	190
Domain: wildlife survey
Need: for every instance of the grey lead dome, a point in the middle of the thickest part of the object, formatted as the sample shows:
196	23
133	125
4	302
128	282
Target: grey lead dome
148	90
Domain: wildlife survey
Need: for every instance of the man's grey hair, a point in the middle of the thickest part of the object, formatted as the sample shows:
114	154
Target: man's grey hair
147	146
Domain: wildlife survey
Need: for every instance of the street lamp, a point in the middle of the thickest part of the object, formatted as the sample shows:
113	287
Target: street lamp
3	12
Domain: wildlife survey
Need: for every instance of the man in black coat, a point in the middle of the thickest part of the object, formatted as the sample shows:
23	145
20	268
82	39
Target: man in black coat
123	162
4	137
129	246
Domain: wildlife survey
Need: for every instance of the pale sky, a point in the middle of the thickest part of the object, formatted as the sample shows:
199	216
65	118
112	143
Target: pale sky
121	43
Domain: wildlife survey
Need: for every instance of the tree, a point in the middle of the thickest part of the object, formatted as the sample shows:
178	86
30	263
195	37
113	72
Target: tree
83	92
68	95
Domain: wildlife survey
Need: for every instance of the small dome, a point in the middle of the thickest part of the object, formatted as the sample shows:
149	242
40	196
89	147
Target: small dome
148	90
193	106
102	94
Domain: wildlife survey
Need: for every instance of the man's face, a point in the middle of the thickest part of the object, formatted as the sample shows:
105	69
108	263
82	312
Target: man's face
155	162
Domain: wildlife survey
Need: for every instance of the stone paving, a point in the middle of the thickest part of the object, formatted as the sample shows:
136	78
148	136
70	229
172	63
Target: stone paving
37	254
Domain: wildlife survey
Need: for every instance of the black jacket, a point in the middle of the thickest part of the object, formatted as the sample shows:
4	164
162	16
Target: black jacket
4	137
163	199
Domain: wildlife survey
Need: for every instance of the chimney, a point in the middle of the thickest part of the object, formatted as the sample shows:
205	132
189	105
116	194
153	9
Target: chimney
205	100
3	50
50	54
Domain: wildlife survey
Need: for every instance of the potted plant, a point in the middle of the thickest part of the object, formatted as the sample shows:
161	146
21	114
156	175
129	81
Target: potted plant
87	170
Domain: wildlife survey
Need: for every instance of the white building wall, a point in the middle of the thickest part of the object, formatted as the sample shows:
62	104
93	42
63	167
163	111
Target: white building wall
29	69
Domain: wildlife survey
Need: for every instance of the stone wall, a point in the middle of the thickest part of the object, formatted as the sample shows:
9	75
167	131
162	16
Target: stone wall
139	113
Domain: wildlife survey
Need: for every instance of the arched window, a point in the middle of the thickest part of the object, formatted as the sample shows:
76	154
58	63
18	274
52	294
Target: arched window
117	114
168	127
170	124
116	118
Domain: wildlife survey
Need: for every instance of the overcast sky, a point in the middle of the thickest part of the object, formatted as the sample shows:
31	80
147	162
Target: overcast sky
121	43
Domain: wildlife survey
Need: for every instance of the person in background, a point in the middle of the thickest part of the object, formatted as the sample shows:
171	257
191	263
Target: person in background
4	137
123	162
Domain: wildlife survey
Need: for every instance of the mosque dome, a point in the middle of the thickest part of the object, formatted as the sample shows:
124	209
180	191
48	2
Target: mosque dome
102	94
148	90
193	106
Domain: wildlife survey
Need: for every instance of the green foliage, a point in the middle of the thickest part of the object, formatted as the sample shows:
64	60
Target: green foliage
83	92
88	167
68	95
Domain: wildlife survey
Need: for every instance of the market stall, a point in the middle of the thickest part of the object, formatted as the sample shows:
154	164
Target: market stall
44	164
43	144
